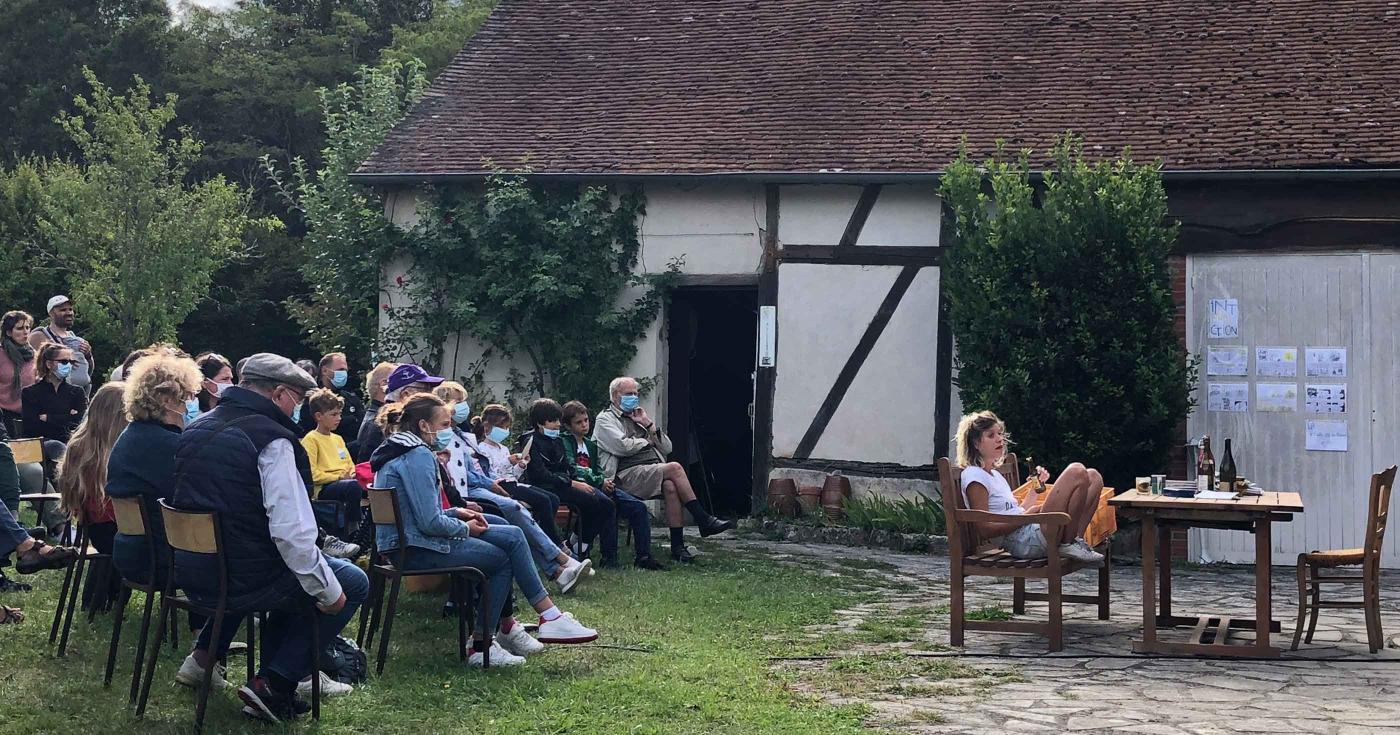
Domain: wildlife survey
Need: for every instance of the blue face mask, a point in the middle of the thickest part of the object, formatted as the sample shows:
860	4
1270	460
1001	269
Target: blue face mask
498	435
551	433
630	402
63	371
296	414
461	412
191	410
339	378
443	438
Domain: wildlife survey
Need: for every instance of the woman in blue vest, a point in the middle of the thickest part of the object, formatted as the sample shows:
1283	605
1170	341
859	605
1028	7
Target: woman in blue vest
439	537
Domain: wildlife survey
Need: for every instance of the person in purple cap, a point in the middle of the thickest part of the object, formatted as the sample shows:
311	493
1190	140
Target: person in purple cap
407	380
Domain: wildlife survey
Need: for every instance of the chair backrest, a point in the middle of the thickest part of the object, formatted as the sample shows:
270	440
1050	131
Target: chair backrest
963	536
27	451
384	511
131	516
1381	485
196	532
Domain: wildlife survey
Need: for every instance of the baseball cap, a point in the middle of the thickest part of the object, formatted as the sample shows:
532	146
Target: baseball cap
57	301
408	374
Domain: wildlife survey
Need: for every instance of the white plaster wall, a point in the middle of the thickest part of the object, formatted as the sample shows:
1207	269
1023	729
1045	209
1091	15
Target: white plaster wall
904	215
864	486
887	414
715	227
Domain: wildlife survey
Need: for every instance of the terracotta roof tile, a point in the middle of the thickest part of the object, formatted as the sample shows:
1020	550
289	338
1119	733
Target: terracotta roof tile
715	86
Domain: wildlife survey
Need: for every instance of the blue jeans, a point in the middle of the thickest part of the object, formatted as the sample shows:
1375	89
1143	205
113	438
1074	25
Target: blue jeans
638	518
286	636
11	533
544	549
501	553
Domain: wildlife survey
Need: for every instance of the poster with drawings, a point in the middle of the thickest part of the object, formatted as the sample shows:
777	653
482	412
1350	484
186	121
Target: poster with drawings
1228	397
1276	362
1327	362
1331	398
1227	361
1276	398
1224	318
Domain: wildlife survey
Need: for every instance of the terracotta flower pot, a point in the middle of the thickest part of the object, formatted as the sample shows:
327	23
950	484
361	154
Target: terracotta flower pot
833	502
809	497
782	496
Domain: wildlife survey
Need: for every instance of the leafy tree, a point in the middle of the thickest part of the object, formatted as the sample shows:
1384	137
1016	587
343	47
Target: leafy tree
436	40
1062	310
26	278
44	45
139	243
544	272
347	234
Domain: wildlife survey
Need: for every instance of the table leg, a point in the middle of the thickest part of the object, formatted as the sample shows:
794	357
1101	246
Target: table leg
1263	582
1164	570
1149	602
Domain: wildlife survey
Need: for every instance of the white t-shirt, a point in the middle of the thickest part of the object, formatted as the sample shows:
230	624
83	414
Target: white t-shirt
999	496
459	460
499	457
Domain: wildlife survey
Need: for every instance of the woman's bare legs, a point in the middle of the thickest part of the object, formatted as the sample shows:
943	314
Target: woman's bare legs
1077	494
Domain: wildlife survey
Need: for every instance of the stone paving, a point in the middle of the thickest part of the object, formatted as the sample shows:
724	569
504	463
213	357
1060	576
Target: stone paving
1096	684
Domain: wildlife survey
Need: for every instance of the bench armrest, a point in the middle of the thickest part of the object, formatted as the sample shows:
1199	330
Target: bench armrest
1053	520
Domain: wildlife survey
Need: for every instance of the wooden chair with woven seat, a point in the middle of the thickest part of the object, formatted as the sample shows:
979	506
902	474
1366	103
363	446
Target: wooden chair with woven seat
1311	566
197	532
970	556
388	566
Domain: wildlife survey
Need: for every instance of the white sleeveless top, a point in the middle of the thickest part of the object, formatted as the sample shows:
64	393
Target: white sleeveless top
999	496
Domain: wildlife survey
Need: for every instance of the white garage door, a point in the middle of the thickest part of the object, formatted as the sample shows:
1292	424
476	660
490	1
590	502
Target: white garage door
1348	301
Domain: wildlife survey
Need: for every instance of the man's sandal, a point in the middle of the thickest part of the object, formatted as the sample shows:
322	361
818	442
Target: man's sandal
36	559
11	615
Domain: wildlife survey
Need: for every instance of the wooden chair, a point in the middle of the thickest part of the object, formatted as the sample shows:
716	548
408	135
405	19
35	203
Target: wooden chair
1311	566
132	520
31	451
197	532
969	556
73	582
388	566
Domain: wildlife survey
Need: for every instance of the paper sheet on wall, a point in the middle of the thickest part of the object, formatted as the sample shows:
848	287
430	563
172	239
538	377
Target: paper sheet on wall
1329	398
1327	362
1227	361
1224	318
1276	362
1326	436
1276	398
1230	397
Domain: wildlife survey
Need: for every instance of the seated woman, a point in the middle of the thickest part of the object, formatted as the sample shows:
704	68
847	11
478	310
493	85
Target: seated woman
82	476
159	398
464	471
438	537
583	453
51	409
548	466
981	446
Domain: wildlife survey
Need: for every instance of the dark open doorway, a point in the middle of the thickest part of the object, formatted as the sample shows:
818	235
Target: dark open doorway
712	335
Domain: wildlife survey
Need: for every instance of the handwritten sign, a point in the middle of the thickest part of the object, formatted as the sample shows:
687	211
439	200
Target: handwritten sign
1224	318
1326	436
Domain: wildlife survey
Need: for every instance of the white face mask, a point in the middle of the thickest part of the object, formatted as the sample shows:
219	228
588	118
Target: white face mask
221	388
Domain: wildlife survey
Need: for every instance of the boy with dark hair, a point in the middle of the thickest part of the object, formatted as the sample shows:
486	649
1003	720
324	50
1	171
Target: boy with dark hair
583	455
549	468
332	473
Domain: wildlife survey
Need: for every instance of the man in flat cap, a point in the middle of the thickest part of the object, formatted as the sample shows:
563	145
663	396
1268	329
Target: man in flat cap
245	461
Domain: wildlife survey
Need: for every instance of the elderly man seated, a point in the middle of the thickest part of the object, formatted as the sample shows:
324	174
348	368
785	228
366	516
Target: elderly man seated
634	450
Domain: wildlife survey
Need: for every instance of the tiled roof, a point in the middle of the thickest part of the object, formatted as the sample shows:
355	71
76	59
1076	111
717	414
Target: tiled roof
733	86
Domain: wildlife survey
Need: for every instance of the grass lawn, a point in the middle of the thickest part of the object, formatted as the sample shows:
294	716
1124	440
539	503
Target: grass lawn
706	633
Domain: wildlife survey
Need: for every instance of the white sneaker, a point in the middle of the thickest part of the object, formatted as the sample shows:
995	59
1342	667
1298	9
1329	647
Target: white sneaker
565	629
329	688
337	549
518	642
191	674
1081	554
499	657
569	576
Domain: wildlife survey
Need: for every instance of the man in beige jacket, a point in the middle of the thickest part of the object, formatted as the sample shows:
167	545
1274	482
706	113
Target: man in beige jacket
634	453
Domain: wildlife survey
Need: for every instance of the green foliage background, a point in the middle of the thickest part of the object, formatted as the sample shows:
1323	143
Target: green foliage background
1062	309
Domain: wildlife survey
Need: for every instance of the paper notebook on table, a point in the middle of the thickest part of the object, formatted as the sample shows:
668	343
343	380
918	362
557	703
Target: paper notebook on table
1215	495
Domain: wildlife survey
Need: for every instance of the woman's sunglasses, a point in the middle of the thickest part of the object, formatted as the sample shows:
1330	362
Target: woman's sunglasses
65	362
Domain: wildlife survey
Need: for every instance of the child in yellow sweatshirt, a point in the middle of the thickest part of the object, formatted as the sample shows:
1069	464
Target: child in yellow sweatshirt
332	469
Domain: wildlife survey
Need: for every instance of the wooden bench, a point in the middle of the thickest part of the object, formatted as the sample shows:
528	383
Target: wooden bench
970	556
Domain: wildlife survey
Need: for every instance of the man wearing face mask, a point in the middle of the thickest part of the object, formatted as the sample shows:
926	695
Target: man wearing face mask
634	450
59	330
244	461
333	372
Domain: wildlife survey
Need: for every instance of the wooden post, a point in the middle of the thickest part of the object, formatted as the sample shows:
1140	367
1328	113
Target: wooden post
1149	593
765	378
1263	591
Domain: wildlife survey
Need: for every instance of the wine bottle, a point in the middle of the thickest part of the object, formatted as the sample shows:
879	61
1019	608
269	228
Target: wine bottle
1205	467
1228	473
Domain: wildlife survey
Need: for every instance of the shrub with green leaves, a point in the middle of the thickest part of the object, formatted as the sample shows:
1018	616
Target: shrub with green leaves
1062	309
920	514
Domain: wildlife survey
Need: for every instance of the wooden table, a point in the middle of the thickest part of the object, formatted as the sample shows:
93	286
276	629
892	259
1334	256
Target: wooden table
1161	513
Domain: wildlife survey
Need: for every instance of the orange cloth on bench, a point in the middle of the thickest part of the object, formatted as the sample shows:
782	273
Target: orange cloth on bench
1101	526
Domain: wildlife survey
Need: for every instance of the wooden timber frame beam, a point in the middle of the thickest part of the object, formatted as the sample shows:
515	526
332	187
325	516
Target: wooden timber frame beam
765	378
